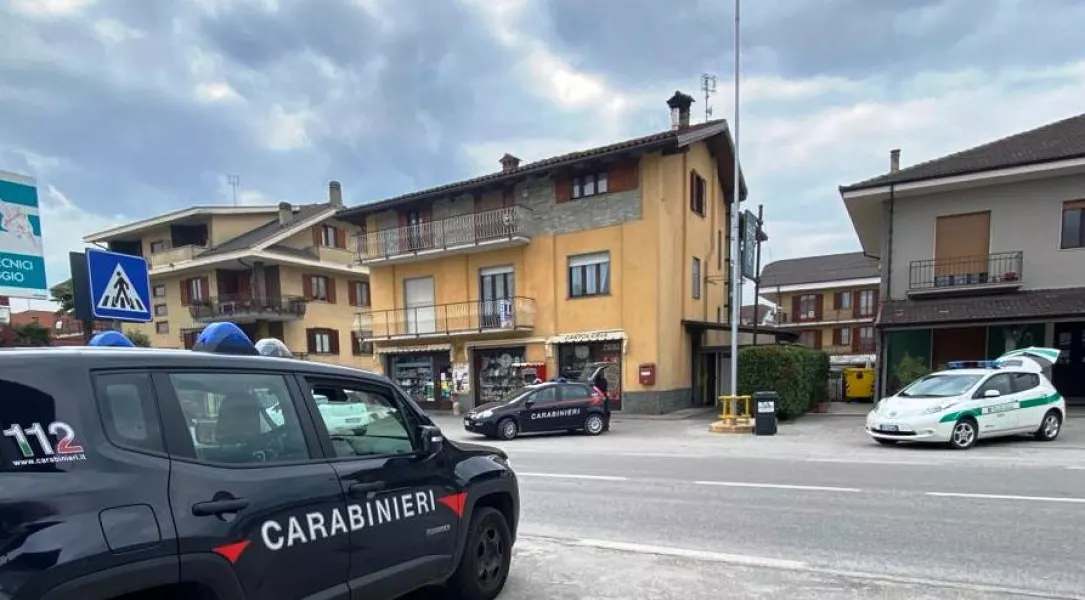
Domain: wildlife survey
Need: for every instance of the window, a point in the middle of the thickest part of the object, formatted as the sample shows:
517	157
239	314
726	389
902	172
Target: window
844	336
696	278
359	293
127	404
809	339
159	246
719	314
866	303
843	300
362	421
240	418
589	185
320	288
194	290
589	275
322	341
1001	382
719	249
697	192
160	310
161	327
866	339
575	392
1023	382
808	307
329	236
159	291
1073	225
360	343
546	395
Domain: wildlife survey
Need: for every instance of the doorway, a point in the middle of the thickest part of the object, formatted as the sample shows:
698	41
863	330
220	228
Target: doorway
1069	372
418	297
497	286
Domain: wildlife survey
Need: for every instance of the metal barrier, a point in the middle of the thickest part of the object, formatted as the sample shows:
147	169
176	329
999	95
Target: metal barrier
732	403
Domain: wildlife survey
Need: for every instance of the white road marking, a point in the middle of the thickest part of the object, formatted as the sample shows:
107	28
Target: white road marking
575	476
779	486
856	461
661	455
705	555
1076	468
1007	497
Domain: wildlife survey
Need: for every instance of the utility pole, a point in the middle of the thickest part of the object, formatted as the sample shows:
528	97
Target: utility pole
708	86
234	181
736	259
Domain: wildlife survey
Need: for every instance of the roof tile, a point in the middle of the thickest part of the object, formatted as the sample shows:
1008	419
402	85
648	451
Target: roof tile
818	269
1066	302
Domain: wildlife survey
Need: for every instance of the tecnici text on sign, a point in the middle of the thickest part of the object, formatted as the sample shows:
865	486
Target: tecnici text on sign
22	268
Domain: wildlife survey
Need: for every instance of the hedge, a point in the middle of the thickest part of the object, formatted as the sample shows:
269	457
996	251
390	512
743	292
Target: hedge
798	374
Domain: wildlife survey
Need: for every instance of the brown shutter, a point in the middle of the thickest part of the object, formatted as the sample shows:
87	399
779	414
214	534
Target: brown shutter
205	287
838	337
855	340
563	188
692	190
307	286
817	338
367	298
186	299
795	307
855	304
819	301
352	293
334	335
402	218
317	238
310	341
623	177
354	345
340	237
331	289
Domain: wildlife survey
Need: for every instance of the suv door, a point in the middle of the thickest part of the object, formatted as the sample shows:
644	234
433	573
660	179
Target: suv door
537	410
572	408
404	506
1027	387
997	414
254	487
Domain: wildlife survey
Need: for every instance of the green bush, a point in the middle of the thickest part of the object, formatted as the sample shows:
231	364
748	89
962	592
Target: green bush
798	374
908	370
138	338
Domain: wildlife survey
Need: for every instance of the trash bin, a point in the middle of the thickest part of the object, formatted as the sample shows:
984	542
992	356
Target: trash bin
764	420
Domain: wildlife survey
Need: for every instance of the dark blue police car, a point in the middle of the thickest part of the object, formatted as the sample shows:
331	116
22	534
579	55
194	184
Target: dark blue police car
550	406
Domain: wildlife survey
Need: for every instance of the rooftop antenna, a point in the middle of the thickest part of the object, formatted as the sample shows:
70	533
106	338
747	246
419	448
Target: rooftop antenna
233	181
708	86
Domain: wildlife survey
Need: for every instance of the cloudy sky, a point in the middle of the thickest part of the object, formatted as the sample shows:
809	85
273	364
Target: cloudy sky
126	108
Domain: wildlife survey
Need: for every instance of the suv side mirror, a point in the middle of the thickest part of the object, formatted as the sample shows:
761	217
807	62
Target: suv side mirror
992	394
529	402
432	439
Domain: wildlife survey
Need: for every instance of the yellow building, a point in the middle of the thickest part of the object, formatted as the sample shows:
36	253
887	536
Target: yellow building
283	271
830	301
615	254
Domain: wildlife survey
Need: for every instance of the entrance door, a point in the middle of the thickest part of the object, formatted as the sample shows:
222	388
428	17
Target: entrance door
418	298
1069	372
497	286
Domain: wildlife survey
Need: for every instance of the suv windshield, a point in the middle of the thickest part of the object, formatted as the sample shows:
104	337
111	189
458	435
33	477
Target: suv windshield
940	386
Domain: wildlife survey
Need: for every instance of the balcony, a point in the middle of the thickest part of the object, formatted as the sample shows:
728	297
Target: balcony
475	232
442	320
341	256
826	316
175	255
248	309
989	273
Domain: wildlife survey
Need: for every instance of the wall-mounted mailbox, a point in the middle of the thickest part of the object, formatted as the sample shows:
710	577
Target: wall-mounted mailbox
647	374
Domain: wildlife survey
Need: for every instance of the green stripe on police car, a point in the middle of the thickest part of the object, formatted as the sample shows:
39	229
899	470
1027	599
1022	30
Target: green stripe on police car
1006	407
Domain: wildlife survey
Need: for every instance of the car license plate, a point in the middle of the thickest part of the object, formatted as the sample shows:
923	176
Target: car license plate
354	420
887	427
467	422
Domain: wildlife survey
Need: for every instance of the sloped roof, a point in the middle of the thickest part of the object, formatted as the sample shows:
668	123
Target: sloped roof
1061	140
266	231
680	137
1066	302
817	269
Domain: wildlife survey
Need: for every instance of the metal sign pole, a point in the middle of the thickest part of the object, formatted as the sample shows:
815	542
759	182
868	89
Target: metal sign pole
736	259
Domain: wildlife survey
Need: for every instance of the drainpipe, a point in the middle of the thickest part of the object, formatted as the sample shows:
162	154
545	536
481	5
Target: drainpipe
880	350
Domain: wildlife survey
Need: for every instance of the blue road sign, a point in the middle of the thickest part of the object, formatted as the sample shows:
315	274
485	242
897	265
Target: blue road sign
120	286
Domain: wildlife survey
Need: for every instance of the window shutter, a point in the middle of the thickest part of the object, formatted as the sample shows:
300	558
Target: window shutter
334	335
186	299
340	237
817	338
507	197
354	345
855	340
331	289
795	307
366	299
819	299
317	238
205	287
838	337
352	293
307	286
855	303
693	190
563	188
310	341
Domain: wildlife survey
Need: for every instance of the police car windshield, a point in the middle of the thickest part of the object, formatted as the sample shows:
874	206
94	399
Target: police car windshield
942	385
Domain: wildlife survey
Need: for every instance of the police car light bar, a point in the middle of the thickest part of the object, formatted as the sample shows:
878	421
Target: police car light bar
224	338
111	339
974	364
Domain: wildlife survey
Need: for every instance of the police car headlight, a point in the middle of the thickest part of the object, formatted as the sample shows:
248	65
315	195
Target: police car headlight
486	414
939	408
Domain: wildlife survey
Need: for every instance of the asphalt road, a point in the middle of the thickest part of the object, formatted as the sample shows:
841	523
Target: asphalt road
816	512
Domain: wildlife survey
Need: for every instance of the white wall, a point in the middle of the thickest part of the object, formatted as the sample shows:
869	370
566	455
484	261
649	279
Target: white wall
1025	216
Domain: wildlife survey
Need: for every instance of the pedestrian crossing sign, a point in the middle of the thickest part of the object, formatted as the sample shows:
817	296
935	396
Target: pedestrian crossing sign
120	286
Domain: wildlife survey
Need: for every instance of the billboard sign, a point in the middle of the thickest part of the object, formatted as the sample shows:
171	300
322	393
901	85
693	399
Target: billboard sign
750	226
22	267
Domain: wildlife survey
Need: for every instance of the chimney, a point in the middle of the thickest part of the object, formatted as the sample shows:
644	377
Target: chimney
335	194
286	214
680	104
894	160
509	163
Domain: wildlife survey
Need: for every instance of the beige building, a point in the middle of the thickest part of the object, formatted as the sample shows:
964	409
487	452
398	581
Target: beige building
287	272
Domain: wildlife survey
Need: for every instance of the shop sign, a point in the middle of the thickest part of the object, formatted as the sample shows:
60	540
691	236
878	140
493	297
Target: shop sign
414	349
588	336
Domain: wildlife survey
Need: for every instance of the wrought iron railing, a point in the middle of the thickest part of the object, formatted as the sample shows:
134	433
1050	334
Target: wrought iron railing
242	305
444	319
990	269
463	230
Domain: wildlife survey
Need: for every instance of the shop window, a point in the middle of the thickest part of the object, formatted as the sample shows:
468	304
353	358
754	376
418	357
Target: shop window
424	377
589	275
498	372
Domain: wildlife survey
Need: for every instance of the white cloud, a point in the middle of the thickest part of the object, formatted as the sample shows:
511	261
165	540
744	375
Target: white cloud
51	7
286	130
111	30
216	91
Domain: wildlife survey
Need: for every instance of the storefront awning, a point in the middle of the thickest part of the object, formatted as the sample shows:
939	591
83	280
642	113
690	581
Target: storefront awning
851	359
413	349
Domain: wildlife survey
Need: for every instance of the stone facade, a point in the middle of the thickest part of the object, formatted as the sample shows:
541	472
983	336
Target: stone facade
657	403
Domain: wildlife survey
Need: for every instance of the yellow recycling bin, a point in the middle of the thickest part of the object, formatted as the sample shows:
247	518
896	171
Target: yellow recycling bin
858	383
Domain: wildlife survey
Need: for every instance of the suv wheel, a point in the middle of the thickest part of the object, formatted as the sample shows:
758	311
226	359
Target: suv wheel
593	425
507	429
1049	427
484	566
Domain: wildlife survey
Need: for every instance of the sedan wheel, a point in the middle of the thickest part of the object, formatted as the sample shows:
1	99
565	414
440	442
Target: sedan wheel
593	425
1049	427
508	429
964	434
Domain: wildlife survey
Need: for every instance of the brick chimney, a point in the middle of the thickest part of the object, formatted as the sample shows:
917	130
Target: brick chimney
509	163
335	194
286	214
679	104
894	160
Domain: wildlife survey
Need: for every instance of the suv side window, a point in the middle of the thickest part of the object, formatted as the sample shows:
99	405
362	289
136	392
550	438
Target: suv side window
574	392
547	395
1000	382
1023	382
362	420
127	405
240	418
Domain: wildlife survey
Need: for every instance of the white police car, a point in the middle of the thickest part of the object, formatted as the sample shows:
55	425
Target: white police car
972	400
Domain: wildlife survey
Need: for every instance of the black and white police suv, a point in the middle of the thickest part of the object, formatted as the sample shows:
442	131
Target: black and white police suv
142	474
550	406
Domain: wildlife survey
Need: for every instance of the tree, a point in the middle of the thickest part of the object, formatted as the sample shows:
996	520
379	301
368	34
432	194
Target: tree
33	334
64	297
138	338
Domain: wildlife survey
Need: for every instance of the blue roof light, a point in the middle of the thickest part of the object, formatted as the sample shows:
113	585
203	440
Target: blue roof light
112	339
224	338
273	347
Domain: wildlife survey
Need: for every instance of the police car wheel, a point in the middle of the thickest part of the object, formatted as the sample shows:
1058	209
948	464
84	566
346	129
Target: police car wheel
593	425
507	429
1049	427
484	566
964	434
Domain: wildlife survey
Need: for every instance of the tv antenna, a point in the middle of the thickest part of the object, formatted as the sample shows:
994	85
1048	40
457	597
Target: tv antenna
708	86
233	181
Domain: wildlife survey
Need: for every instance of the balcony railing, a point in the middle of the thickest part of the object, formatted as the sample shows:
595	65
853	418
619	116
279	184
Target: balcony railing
827	316
240	308
462	231
175	255
991	271
482	316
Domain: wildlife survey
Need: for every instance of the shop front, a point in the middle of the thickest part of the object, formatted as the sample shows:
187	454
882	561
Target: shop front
497	372
580	354
424	373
